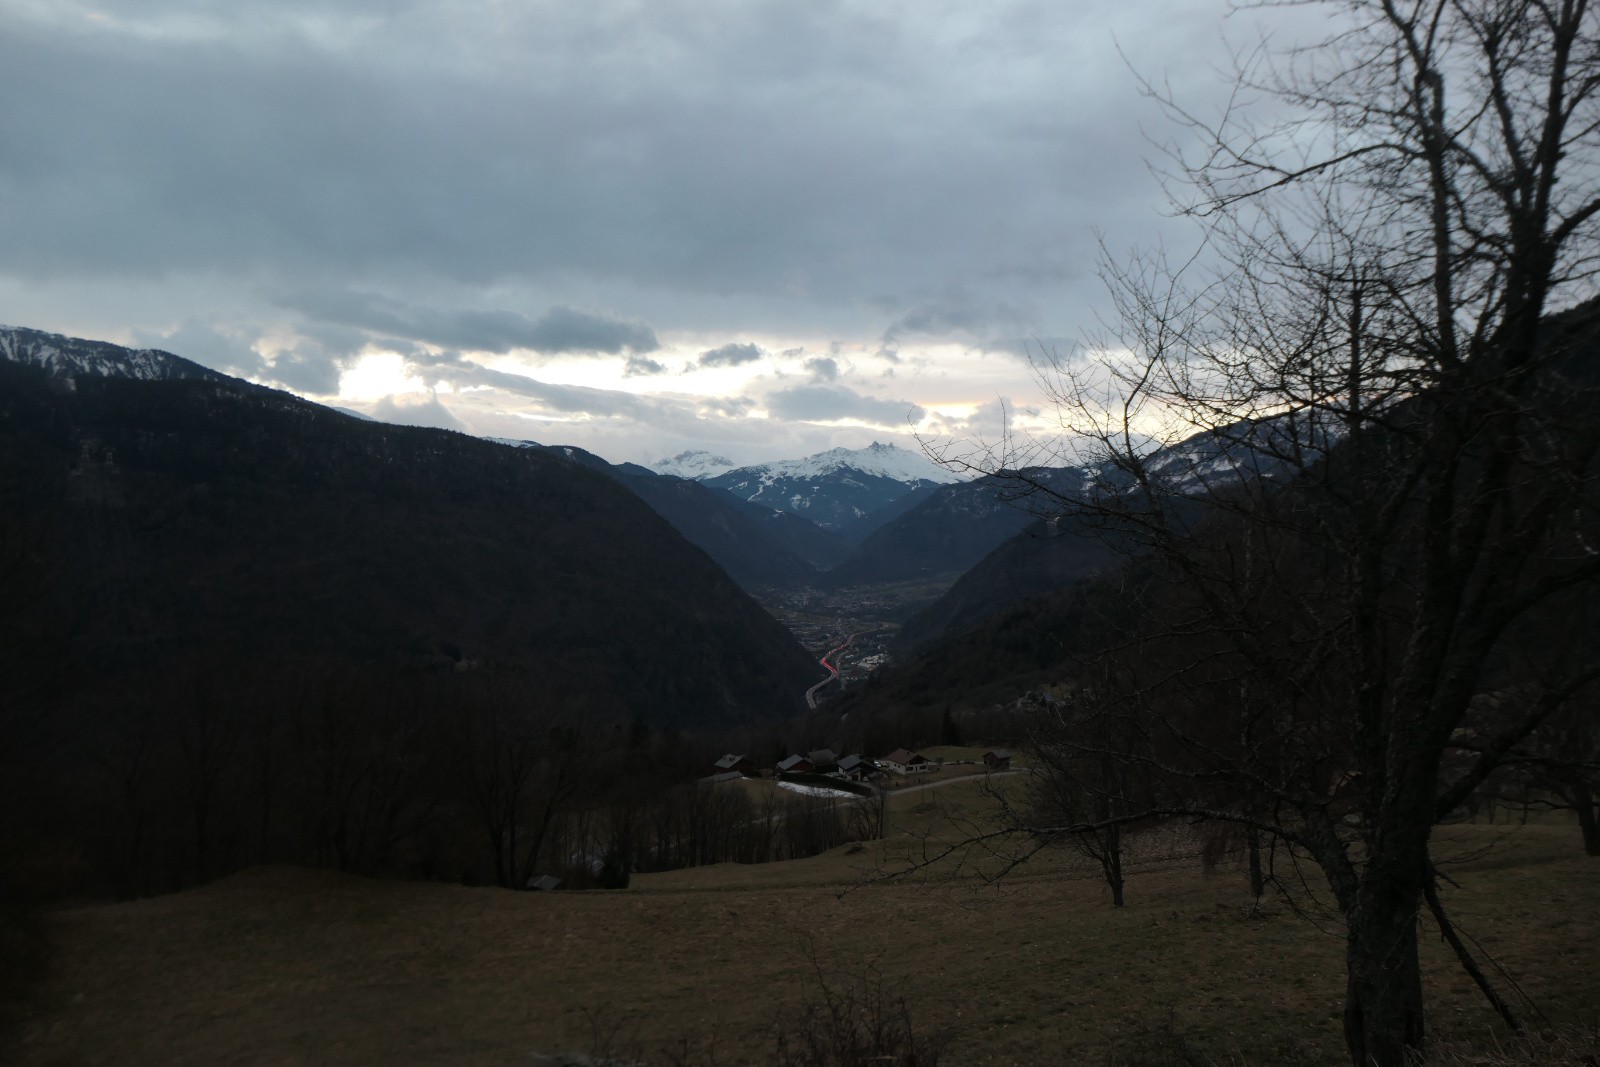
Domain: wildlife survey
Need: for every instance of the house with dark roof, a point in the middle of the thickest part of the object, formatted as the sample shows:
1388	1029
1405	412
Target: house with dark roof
795	765
734	762
822	760
904	761
997	759
855	768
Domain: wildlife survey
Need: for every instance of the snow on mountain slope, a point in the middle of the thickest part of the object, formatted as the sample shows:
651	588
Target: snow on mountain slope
72	357
884	461
693	463
1266	448
836	487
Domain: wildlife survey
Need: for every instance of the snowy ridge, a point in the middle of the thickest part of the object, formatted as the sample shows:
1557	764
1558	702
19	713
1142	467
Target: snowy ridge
836	487
71	357
880	460
693	463
1259	449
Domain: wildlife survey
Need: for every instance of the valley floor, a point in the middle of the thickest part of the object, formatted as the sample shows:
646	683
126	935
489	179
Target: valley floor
283	965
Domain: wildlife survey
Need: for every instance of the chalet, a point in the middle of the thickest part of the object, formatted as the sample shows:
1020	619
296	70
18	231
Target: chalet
997	759
795	765
904	761
732	762
823	760
855	768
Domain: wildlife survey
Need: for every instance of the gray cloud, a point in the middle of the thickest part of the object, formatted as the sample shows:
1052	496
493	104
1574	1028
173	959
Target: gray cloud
459	371
1030	349
225	351
822	368
316	358
833	403
730	355
311	372
640	366
731	407
948	320
405	143
397	168
989	421
958	316
403	412
559	330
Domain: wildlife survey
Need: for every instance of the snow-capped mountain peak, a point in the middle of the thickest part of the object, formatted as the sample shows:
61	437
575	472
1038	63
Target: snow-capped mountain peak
835	487
881	460
693	463
72	357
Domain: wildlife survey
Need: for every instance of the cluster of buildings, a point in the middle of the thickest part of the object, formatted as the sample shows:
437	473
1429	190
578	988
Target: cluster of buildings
901	762
820	620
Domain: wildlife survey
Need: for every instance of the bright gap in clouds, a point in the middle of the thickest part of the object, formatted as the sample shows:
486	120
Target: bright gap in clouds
376	375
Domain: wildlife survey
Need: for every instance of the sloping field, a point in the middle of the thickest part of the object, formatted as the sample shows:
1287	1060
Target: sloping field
281	965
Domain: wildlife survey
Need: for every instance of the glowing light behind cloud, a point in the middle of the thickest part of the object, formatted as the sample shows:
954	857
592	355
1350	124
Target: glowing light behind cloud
376	375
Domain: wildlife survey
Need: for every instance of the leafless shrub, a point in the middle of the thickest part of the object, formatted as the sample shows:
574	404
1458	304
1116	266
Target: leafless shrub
1578	1047
853	1021
860	1023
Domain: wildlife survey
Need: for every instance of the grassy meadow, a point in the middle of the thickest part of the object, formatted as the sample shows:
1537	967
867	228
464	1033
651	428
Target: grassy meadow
293	966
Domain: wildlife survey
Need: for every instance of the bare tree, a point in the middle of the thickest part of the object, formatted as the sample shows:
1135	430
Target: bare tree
869	815
1557	769
518	767
1354	446
1083	783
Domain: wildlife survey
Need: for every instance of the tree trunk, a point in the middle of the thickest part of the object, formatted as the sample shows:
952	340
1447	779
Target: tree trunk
497	849
1257	882
1383	1023
1113	864
1587	806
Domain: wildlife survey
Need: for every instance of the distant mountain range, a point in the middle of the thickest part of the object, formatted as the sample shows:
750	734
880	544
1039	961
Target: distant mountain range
843	518
831	489
757	546
172	516
695	464
1005	539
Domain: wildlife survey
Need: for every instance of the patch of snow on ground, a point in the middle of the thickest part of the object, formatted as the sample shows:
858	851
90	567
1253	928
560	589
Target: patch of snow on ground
814	790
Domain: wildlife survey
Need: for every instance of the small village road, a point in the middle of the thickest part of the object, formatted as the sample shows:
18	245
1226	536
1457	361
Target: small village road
948	781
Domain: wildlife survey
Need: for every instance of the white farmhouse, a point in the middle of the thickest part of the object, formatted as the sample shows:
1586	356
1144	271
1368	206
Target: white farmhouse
904	761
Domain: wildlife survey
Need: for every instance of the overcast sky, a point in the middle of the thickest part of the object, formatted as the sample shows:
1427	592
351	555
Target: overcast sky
760	228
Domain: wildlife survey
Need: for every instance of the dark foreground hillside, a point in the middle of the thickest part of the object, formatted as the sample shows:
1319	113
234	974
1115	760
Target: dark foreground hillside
182	521
284	965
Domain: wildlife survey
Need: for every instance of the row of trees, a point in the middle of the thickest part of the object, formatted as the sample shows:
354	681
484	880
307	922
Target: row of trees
183	776
695	823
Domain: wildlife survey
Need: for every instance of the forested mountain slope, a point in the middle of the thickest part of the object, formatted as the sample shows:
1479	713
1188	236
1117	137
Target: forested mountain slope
203	520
